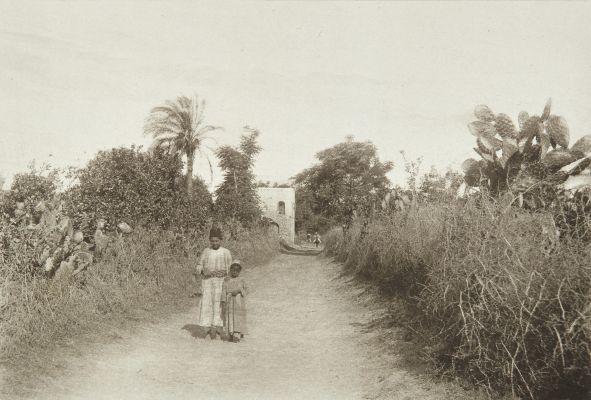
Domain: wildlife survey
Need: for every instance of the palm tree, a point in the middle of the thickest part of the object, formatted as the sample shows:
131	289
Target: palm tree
178	126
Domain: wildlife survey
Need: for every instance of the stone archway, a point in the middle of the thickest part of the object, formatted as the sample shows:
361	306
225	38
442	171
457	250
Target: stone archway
271	224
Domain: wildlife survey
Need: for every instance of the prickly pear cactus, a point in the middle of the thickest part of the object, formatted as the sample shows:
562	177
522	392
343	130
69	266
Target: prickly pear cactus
535	154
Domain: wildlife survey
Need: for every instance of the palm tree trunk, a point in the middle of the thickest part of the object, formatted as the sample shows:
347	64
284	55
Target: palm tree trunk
190	161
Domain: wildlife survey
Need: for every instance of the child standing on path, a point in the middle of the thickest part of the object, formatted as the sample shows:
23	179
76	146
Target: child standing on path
234	303
213	265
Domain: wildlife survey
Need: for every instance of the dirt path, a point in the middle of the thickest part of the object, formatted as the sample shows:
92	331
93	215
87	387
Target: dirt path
306	342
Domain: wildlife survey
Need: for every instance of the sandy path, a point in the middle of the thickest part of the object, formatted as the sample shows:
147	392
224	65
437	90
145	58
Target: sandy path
305	342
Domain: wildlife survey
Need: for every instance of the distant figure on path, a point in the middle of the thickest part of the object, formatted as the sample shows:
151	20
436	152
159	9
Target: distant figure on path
317	239
213	265
234	303
309	238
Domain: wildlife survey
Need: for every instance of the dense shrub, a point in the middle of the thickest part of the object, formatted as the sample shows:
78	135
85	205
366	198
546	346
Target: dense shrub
30	188
502	299
138	187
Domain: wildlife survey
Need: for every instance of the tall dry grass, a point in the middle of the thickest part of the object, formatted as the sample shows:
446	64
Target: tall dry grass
497	297
148	273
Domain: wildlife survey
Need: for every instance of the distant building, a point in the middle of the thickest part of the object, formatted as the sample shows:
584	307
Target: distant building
278	204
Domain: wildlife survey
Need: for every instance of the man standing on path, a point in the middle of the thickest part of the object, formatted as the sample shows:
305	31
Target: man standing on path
213	265
317	239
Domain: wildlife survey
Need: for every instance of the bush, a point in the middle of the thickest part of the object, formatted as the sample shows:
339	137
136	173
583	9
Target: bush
503	301
140	188
30	188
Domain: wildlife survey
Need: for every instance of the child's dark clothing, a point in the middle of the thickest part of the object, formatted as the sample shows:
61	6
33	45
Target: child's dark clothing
233	292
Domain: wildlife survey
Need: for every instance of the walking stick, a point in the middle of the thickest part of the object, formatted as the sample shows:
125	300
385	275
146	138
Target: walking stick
227	317
233	311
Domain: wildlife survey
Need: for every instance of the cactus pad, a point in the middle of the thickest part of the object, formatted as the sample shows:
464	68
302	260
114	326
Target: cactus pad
523	116
478	128
531	127
583	145
505	126
509	148
489	144
558	158
469	164
547	108
557	128
483	113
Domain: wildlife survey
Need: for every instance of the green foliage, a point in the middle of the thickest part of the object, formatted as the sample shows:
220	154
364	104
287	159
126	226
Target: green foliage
349	179
137	187
179	127
303	210
236	197
305	218
30	188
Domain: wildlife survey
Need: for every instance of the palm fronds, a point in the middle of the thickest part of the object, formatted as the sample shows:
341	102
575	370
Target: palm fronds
179	127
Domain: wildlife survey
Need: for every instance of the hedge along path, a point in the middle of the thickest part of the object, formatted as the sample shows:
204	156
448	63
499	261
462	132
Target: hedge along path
306	341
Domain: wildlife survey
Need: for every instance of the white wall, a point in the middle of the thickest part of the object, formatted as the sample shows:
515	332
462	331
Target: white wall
270	198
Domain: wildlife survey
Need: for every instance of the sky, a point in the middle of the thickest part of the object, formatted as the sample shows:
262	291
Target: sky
79	77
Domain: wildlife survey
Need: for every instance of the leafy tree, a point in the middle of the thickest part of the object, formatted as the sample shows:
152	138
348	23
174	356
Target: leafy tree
348	180
236	197
305	218
179	127
138	187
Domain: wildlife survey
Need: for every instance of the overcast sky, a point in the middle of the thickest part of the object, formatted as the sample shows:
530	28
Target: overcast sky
79	77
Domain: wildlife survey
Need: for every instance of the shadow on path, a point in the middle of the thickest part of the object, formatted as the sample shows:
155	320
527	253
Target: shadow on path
195	330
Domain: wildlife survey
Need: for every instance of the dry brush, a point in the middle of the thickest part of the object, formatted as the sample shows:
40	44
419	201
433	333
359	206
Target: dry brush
499	298
146	274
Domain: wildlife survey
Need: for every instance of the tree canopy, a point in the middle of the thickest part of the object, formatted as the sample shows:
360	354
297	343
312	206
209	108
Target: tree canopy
137	187
236	197
348	179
